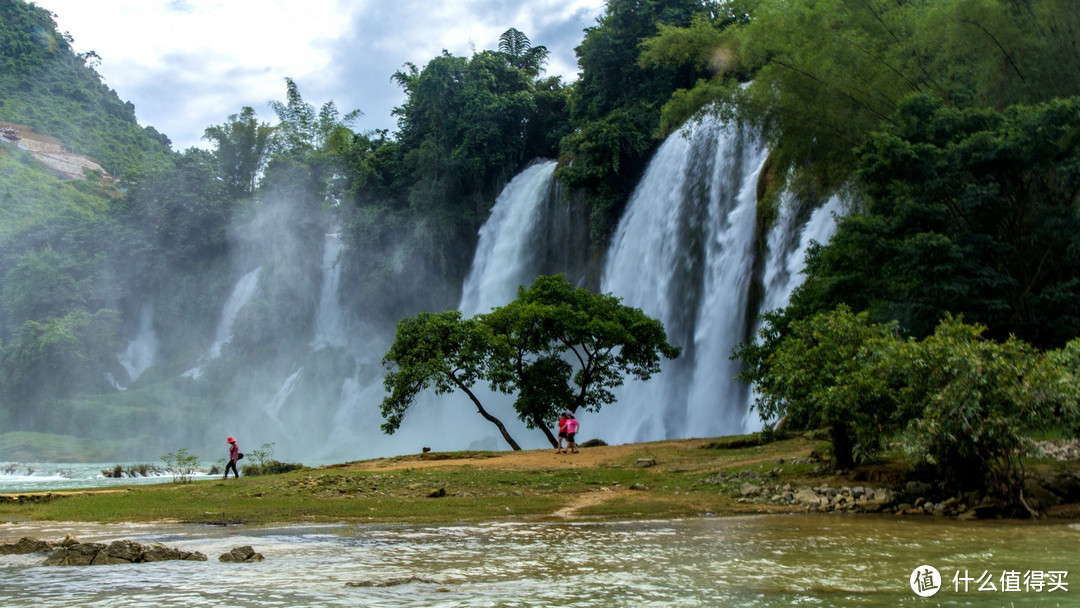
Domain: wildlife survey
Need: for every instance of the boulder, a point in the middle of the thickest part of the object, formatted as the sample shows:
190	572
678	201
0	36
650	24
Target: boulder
241	554
117	552
81	554
158	552
123	551
807	496
25	545
749	489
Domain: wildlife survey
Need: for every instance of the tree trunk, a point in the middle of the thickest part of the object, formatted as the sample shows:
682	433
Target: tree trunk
492	419
843	446
543	427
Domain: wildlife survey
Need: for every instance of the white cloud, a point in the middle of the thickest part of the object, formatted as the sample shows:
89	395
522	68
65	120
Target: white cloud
188	64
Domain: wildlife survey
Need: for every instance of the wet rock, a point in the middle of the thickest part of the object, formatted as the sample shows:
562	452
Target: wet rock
158	552
25	545
82	554
117	552
391	582
241	554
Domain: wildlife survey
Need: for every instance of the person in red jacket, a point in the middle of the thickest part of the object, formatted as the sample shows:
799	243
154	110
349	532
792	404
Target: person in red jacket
571	433
234	455
562	433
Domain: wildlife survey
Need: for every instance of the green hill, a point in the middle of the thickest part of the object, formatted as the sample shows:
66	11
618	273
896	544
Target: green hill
46	86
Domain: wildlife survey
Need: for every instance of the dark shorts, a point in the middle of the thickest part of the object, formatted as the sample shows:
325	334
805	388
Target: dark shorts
570	437
563	434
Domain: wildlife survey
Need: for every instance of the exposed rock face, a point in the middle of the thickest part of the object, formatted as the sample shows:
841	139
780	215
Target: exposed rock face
241	554
25	545
117	552
73	552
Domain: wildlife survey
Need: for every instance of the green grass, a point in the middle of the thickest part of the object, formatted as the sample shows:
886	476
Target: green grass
688	481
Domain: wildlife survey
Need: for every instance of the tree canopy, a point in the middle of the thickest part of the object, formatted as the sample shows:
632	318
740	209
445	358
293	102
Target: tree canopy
819	76
969	212
959	404
556	347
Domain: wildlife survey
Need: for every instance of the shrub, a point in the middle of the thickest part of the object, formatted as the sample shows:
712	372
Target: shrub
181	464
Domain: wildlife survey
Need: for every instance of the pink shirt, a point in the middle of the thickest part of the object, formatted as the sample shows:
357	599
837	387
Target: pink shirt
234	451
571	425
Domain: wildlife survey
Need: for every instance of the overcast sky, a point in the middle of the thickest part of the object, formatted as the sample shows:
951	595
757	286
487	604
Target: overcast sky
189	64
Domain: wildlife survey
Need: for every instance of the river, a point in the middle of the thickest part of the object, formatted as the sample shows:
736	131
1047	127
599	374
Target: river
773	560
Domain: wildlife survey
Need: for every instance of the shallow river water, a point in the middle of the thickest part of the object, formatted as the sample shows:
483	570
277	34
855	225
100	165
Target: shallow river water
775	560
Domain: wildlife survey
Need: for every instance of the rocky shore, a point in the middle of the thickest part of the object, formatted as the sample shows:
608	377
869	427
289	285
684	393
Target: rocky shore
1052	494
73	552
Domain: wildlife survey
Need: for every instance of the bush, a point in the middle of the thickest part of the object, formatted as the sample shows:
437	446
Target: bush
264	463
964	407
971	404
826	372
181	464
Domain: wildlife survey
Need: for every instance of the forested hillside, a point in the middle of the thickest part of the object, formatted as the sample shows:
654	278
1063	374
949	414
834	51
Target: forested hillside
949	128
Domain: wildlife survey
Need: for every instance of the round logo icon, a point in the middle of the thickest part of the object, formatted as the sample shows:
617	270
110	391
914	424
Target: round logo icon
925	581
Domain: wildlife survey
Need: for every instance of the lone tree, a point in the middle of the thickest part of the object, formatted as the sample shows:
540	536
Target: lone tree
558	347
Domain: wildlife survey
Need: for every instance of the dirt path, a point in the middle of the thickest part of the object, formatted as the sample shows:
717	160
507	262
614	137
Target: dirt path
523	459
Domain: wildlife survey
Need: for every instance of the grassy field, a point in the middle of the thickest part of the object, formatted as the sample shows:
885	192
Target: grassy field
690	478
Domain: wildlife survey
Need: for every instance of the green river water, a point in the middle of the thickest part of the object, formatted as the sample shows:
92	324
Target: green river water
775	560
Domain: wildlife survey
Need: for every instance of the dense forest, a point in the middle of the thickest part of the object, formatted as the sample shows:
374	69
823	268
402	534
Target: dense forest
949	127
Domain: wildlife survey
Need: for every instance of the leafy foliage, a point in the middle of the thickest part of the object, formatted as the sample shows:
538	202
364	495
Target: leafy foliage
970	212
48	87
243	147
970	404
615	106
441	351
826	372
821	75
181	464
558	347
962	406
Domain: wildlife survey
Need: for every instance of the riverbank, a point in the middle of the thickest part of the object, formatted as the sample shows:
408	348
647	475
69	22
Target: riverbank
667	479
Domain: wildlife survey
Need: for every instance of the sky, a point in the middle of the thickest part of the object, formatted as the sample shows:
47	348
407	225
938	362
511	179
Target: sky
189	64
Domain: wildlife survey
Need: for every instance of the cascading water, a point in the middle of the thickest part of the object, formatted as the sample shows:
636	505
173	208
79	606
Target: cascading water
507	252
330	321
788	243
685	252
239	297
530	231
141	351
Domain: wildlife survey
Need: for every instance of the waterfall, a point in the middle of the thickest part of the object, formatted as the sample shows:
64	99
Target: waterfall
686	252
239	297
508	253
273	407
141	351
330	325
529	231
788	243
241	294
